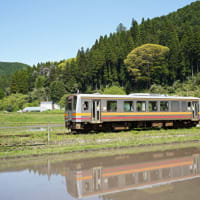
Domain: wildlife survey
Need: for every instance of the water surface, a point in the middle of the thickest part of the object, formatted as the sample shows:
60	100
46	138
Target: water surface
171	174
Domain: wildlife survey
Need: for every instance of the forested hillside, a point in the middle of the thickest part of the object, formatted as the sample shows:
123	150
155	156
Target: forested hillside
8	68
6	71
176	36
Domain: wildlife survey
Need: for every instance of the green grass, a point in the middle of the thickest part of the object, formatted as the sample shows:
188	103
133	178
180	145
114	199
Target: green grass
21	141
36	144
37	117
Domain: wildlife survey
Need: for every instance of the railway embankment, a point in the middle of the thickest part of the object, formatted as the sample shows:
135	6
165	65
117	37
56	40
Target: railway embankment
26	134
55	140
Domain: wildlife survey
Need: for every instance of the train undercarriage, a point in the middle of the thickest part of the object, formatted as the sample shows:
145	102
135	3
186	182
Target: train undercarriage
82	127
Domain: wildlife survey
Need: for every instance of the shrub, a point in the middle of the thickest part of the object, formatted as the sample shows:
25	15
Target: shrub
13	102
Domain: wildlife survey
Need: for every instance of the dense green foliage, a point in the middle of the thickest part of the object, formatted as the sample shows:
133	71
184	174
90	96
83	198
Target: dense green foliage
57	89
103	64
114	90
166	51
188	88
2	95
147	64
13	102
62	101
8	68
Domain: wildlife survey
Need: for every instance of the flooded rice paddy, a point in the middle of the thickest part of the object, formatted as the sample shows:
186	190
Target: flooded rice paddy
170	174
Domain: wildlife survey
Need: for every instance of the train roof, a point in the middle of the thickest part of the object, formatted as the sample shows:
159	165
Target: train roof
137	96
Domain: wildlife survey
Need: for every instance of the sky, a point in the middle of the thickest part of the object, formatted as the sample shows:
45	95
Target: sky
33	31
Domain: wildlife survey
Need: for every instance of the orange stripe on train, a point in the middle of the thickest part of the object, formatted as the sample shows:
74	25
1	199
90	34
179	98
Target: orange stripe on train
138	170
146	113
132	113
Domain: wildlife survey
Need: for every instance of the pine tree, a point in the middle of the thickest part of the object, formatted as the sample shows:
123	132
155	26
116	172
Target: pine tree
135	32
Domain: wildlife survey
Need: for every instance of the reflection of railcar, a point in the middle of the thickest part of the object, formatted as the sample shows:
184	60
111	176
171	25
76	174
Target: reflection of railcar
129	173
102	112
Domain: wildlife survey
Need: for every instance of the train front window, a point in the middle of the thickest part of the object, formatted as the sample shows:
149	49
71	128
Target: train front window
74	102
68	104
141	106
164	106
153	106
128	106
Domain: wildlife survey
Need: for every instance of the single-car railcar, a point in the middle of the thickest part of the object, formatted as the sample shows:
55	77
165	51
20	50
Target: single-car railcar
85	112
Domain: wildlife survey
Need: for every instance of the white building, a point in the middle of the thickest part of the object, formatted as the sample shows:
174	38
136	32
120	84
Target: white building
31	109
44	105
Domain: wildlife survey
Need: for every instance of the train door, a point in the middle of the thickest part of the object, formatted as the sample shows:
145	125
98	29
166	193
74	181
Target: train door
97	182
96	110
195	110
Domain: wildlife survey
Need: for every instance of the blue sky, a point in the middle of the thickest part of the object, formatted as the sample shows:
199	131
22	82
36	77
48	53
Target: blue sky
33	31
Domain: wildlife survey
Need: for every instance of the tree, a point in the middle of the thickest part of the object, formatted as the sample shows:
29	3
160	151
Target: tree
38	94
57	90
14	102
114	90
135	32
147	63
121	28
157	89
70	76
19	82
4	81
62	101
2	95
39	82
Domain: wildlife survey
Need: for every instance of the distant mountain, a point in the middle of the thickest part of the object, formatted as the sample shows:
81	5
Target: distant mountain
8	68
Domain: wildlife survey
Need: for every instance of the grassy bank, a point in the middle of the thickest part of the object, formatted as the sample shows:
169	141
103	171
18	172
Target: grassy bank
37	144
20	139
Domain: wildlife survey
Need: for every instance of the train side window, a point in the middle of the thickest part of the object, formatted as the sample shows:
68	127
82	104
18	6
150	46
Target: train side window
189	106
128	106
183	106
86	105
111	106
113	181
153	106
164	106
141	106
175	106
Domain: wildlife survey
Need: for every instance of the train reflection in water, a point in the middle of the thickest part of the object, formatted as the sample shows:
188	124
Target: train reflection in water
123	173
171	174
